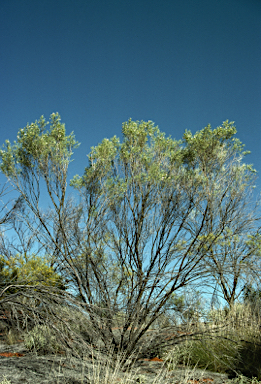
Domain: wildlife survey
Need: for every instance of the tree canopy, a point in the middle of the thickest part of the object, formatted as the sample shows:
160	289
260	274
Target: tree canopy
155	215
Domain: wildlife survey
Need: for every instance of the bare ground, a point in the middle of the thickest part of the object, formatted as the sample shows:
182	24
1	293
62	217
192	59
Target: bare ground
26	367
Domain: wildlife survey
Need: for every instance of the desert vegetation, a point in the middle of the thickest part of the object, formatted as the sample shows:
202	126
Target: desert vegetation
227	341
107	270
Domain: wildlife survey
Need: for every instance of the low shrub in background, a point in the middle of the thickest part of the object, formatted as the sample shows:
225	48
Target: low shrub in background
234	347
42	340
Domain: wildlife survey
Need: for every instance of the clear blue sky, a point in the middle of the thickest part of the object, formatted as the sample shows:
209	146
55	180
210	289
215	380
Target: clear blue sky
180	63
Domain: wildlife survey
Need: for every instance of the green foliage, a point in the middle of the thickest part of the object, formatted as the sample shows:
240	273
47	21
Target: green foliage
145	156
5	274
212	146
38	148
250	364
215	354
39	154
31	270
229	343
41	339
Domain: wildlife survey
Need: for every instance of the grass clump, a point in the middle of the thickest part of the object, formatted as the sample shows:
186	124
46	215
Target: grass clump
12	336
230	342
5	381
41	339
214	354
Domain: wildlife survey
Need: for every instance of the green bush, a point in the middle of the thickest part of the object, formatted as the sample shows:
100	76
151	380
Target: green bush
234	347
250	362
41	339
215	354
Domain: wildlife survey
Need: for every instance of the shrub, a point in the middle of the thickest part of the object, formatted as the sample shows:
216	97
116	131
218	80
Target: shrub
41	339
214	354
230	343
